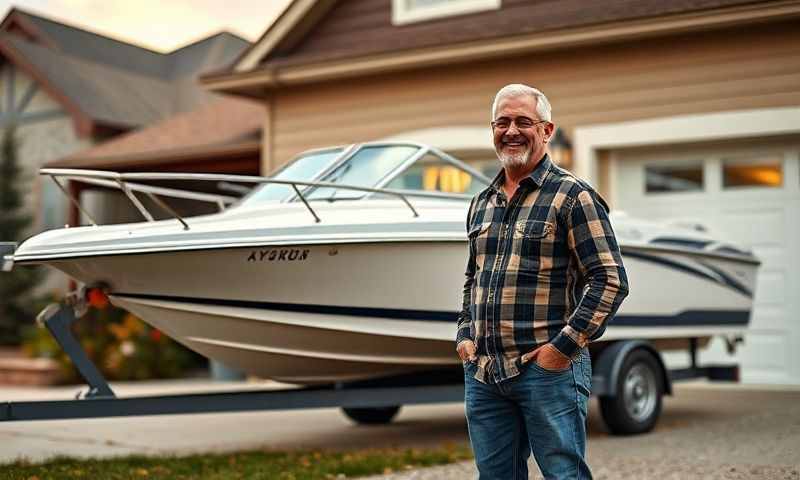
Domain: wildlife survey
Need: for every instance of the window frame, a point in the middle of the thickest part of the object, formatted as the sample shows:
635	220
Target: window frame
403	13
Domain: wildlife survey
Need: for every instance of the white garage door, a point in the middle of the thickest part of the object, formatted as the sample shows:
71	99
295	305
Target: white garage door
750	195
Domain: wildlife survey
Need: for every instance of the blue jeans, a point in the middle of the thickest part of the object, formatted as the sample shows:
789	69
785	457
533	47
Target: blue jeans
538	410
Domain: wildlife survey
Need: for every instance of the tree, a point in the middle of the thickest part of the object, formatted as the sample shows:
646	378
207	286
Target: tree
15	286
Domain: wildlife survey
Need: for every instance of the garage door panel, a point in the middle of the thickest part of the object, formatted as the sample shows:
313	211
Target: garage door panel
766	350
768	317
751	226
771	288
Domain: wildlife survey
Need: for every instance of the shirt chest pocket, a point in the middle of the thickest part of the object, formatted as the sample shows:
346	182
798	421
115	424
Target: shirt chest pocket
533	245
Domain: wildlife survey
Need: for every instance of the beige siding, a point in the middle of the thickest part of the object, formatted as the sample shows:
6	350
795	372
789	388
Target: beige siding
692	73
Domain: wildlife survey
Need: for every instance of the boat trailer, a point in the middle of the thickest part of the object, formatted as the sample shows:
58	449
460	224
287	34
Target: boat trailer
629	378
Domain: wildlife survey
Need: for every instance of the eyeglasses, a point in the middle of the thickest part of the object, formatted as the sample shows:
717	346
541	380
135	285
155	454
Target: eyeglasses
522	123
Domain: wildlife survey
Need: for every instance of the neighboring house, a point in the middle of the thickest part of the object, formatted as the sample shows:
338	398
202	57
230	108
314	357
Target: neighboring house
222	136
674	108
68	89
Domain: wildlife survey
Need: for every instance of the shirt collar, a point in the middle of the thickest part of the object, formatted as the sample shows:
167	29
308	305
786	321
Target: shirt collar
537	176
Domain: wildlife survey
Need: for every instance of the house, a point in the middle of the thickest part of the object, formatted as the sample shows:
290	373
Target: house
67	89
674	109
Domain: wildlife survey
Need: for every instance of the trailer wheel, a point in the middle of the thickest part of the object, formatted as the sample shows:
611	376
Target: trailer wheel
637	404
371	416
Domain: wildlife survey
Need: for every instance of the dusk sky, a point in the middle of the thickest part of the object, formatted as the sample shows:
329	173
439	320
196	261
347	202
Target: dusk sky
158	24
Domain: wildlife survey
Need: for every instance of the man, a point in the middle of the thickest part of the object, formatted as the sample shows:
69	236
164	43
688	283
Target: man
544	276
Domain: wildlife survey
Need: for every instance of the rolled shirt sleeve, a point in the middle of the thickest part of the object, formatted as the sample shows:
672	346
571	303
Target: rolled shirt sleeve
592	241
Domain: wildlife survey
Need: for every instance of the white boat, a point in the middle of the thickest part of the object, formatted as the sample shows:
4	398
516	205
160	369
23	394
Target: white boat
345	266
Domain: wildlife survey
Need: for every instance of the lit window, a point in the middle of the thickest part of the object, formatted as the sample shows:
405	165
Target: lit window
432	174
683	178
752	172
410	11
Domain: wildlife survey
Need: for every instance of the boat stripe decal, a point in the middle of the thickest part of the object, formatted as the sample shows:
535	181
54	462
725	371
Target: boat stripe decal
401	314
684	242
723	279
688	318
691	317
730	281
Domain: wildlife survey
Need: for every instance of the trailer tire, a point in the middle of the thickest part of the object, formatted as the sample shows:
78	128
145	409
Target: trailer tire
637	404
372	416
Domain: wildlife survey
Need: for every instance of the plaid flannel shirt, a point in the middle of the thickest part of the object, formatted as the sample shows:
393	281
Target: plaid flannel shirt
543	267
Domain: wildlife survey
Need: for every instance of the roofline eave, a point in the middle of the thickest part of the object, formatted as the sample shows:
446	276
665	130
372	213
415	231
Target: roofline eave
172	155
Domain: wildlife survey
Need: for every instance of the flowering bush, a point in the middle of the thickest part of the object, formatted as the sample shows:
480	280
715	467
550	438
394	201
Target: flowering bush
121	345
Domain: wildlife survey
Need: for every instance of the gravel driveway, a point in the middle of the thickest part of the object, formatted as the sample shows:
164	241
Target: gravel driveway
705	432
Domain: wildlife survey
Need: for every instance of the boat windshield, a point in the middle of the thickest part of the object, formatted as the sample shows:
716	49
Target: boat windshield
399	167
304	168
392	166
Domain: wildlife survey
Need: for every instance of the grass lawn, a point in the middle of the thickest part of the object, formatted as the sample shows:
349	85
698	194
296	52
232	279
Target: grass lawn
297	465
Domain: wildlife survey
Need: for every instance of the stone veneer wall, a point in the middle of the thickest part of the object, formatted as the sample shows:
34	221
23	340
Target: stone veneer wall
41	141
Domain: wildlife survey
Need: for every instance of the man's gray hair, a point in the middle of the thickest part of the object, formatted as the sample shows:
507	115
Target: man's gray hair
518	90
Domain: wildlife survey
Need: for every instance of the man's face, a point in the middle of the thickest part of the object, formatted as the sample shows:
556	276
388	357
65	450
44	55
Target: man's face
519	134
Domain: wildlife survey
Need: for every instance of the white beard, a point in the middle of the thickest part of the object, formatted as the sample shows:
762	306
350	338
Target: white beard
512	161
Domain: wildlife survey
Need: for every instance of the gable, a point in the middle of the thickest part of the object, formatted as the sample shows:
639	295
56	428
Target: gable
23	99
359	28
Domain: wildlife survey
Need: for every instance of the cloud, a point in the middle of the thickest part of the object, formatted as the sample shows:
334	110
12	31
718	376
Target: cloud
162	25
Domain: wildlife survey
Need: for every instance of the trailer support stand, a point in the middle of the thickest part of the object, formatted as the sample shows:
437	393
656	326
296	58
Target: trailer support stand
58	319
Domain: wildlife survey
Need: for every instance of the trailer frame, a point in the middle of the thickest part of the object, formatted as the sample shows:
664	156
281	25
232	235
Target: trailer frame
440	386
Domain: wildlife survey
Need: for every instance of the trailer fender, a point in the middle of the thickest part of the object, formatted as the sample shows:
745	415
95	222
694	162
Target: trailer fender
609	361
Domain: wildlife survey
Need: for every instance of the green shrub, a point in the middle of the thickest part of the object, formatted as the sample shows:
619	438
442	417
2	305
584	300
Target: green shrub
121	345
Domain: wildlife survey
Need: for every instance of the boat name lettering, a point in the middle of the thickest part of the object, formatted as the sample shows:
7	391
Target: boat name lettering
278	255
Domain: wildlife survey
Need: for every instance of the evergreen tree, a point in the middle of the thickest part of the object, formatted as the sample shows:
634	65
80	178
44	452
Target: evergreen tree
15	286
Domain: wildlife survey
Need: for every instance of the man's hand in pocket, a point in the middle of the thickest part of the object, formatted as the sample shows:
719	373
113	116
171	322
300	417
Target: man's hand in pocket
466	351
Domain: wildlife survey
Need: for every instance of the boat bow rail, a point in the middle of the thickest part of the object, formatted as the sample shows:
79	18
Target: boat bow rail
129	184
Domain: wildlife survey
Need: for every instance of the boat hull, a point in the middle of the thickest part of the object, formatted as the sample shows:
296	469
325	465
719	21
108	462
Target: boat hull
308	314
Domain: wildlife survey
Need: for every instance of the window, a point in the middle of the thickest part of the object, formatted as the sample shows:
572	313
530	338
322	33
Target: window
432	174
752	172
410	11
677	178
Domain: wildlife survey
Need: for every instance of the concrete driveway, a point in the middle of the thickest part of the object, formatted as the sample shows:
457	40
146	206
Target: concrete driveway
705	431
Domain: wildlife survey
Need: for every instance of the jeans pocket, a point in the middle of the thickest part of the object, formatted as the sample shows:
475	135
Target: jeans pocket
469	366
584	379
532	364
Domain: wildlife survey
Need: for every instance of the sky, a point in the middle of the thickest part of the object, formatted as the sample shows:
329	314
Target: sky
161	25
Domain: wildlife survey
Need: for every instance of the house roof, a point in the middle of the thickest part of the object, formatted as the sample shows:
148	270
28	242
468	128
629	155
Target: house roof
227	124
104	93
316	40
110	82
93	47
